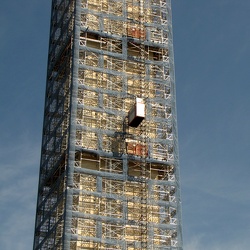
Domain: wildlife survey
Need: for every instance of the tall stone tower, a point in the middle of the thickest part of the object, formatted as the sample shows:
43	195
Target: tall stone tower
109	174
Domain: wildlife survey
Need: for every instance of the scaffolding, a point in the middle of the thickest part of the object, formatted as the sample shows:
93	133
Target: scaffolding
104	184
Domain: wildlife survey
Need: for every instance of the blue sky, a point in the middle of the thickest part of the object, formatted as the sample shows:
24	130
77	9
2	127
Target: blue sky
212	58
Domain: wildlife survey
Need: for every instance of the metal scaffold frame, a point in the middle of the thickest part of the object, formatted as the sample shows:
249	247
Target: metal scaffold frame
105	184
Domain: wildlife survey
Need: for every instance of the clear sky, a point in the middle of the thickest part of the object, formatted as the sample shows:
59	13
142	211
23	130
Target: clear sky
212	59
